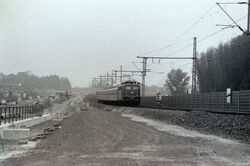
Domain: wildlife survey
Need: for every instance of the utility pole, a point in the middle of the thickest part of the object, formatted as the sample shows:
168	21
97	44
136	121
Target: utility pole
121	74
107	79
112	80
144	71
95	81
194	70
126	71
103	80
247	32
115	77
144	67
101	84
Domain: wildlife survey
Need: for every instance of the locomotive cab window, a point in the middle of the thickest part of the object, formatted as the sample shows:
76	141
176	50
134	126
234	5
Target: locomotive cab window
135	88
128	87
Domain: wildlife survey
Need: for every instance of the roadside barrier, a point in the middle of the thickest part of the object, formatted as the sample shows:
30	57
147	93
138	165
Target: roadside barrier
212	102
9	114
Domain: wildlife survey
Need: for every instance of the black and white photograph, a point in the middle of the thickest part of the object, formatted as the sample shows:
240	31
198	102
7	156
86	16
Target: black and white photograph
124	82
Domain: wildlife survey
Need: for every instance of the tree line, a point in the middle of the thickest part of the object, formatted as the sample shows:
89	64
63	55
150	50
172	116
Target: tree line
219	68
226	66
29	81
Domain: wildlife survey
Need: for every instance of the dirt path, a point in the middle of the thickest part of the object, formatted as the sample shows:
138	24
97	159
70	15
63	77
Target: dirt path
97	137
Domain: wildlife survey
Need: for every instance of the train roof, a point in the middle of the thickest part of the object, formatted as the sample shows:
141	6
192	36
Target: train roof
130	82
123	83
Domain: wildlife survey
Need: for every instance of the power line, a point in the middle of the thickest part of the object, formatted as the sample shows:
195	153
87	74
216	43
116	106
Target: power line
162	48
195	23
185	32
210	35
206	37
231	18
189	45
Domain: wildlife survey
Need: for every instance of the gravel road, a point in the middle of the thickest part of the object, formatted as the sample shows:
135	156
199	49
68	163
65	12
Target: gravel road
98	137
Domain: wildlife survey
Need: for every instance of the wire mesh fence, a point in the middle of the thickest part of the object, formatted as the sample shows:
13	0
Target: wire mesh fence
9	114
214	101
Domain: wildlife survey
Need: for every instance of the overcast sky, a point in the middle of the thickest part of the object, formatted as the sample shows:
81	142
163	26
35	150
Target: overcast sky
82	39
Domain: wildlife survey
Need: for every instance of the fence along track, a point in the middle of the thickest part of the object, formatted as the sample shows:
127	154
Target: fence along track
210	102
9	114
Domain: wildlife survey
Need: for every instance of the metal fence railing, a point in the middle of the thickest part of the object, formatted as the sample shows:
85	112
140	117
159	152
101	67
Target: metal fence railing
9	114
214	101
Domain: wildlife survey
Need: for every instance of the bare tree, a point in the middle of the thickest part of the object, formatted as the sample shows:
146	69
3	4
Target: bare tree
177	82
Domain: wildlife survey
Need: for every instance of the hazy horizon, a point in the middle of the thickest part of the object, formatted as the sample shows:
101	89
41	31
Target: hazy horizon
82	39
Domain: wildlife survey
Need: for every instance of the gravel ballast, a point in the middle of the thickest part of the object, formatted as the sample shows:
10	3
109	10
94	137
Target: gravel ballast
228	126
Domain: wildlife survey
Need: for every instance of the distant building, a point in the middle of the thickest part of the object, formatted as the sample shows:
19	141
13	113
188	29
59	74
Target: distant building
62	95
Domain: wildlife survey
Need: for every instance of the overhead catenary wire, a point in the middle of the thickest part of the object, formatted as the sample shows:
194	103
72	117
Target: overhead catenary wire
235	22
164	47
202	39
185	32
189	45
195	23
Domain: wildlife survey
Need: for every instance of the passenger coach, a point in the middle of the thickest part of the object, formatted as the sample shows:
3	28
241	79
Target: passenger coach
126	93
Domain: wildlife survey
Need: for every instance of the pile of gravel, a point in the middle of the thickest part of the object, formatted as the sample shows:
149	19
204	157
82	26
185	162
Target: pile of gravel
227	126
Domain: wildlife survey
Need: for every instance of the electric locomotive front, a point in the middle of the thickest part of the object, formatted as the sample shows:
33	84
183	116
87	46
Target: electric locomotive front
130	91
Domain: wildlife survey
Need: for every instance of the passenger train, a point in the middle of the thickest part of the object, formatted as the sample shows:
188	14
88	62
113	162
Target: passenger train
126	93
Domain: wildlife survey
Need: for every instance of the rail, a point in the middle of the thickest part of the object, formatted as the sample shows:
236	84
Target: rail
212	102
9	114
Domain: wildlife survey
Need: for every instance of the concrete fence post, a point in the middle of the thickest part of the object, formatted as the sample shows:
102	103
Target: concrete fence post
5	112
25	112
19	113
13	114
32	111
28	112
9	115
22	112
16	113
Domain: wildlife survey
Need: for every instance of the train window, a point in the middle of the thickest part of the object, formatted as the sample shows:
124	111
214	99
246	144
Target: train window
135	87
128	87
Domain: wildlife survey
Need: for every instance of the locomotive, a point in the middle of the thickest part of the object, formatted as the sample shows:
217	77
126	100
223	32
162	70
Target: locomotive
125	94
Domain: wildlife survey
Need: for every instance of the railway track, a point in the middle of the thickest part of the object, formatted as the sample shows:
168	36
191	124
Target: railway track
162	106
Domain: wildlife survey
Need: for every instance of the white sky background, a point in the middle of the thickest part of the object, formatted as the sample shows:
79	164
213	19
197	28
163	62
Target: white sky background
82	39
